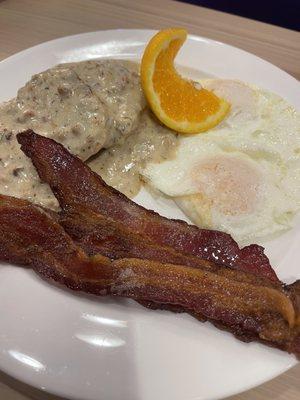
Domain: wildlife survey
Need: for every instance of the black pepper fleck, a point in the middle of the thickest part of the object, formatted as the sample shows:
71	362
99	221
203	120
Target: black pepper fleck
8	136
16	171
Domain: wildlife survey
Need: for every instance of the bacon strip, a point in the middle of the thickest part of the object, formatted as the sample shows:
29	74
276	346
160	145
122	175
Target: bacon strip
31	237
76	186
100	235
97	234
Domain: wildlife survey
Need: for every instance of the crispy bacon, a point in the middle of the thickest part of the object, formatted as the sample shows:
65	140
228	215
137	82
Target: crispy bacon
100	235
76	186
97	234
30	236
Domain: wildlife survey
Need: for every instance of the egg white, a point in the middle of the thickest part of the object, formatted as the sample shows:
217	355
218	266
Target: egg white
243	176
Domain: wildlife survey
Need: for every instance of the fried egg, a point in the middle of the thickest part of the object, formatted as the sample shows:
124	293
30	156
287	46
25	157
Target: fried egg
243	176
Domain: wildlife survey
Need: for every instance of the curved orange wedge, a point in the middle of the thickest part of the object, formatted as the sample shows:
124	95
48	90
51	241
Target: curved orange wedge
176	101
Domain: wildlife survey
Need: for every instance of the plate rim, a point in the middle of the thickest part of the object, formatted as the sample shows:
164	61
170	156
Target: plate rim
149	31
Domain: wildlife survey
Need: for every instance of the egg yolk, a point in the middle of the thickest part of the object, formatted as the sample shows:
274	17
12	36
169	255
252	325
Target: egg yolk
232	184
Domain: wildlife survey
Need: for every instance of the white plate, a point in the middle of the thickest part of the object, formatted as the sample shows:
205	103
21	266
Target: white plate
102	349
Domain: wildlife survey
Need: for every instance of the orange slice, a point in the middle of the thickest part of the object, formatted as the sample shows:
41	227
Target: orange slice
176	101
